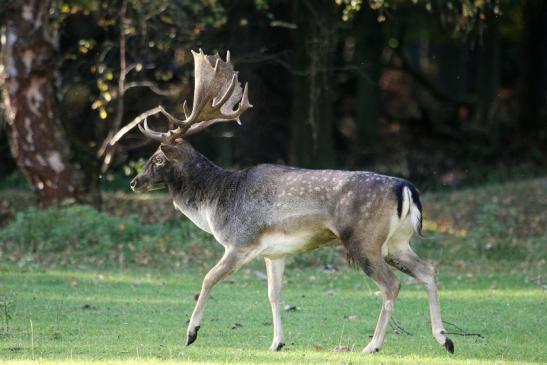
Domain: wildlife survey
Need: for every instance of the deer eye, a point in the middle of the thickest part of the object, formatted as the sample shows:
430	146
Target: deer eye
158	161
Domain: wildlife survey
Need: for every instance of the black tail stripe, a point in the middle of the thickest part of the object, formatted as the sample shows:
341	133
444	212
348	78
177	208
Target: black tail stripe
399	193
413	192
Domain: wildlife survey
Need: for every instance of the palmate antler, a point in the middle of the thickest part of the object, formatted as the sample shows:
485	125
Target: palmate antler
216	93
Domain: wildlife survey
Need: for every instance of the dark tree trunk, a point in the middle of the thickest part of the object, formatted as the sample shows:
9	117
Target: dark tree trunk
312	113
534	57
367	56
488	79
300	145
36	137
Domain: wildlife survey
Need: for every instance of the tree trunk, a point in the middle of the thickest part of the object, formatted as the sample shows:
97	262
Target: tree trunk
312	116
300	132
367	53
488	79
36	137
533	79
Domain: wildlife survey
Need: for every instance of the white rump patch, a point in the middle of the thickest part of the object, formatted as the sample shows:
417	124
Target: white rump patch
410	209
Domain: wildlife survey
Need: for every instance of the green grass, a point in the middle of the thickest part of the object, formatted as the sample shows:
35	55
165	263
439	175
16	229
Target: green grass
139	317
117	287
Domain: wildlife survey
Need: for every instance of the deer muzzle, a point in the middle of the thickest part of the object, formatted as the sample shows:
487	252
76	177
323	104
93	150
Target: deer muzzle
137	184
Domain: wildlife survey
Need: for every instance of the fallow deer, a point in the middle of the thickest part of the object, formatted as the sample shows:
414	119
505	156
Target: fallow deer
274	211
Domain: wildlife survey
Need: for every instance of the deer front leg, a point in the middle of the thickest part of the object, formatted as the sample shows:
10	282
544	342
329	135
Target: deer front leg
228	264
274	269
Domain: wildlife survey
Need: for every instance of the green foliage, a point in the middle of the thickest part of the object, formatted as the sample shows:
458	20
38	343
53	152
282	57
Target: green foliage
462	15
16	180
498	222
81	232
119	180
488	233
491	238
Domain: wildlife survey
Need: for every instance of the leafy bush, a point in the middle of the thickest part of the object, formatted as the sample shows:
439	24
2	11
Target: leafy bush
490	238
16	181
491	235
71	233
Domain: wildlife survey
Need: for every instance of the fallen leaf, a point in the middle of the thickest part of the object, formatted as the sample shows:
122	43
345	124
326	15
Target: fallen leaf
341	348
290	308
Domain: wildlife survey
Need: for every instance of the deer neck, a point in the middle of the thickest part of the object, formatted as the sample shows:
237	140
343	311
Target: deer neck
200	188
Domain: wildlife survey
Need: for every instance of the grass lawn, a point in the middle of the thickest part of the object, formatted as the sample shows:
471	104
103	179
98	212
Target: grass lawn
118	289
99	317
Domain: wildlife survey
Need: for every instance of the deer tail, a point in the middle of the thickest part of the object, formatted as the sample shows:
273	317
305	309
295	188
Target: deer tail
409	205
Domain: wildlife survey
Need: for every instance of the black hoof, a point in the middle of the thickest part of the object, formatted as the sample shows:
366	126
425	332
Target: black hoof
279	346
192	336
449	345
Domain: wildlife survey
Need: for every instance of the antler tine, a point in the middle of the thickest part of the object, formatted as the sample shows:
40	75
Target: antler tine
185	109
163	137
227	94
147	131
244	104
228	56
245	98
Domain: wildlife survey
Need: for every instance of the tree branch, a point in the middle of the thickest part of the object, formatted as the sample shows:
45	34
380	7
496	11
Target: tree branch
461	332
104	152
139	119
151	85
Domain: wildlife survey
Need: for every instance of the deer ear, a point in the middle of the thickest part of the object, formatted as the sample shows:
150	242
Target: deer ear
172	153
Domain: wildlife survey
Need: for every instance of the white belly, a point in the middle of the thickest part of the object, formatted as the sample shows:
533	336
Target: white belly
281	244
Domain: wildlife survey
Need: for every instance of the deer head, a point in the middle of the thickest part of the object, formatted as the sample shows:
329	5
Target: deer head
217	91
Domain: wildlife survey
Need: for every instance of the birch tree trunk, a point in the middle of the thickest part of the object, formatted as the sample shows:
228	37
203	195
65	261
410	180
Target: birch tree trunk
36	137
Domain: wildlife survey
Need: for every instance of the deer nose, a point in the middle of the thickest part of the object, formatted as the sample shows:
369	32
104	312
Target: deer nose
133	183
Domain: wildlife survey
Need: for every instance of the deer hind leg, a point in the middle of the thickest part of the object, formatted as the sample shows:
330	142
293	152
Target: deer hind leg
369	257
228	264
401	256
274	269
